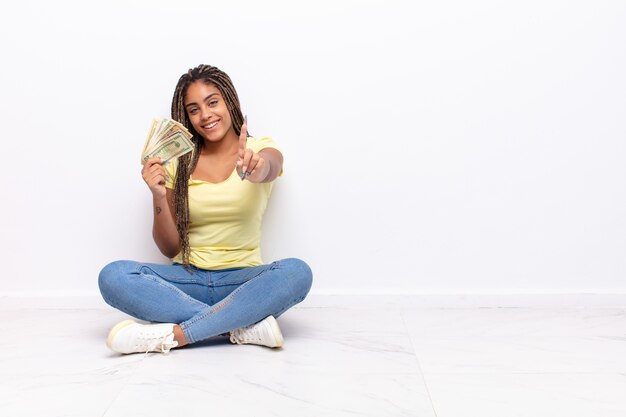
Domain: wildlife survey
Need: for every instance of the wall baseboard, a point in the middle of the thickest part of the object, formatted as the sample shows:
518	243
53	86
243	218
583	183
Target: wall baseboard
354	298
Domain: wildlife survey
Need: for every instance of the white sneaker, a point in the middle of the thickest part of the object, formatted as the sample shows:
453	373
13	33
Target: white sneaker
131	337
264	333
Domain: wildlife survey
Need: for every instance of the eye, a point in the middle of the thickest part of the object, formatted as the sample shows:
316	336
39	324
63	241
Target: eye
193	110
213	103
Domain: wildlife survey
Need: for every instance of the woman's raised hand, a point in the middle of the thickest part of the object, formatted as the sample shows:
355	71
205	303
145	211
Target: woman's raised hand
250	166
154	174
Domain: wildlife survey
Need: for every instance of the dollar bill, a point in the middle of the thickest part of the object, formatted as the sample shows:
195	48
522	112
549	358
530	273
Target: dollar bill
166	139
150	134
174	147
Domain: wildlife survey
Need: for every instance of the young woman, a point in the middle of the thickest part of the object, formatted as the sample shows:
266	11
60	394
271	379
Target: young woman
208	207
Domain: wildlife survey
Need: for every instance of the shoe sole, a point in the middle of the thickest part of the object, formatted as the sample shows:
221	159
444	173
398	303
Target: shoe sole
116	329
278	335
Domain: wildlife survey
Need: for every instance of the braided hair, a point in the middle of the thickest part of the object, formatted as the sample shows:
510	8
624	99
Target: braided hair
187	163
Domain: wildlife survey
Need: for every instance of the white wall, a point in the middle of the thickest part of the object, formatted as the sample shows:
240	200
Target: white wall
430	146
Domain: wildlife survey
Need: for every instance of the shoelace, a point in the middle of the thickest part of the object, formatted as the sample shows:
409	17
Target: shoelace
163	344
234	336
245	334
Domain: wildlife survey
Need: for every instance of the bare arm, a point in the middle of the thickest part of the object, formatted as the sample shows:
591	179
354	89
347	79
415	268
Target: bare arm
164	226
257	167
274	159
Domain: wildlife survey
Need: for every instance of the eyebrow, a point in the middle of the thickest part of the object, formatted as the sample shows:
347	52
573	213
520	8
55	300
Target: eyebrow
205	99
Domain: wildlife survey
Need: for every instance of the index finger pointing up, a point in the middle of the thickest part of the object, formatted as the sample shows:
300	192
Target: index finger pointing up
243	137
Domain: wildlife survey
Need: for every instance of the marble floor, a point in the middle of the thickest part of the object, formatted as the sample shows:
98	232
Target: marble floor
342	357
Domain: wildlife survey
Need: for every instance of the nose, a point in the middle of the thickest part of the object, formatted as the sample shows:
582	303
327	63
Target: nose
205	115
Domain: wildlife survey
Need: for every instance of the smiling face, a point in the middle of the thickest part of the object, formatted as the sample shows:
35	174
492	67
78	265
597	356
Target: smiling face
208	113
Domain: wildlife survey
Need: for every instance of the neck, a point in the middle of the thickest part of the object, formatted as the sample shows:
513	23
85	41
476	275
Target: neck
226	146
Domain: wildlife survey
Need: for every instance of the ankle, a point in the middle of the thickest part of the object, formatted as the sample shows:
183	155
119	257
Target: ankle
179	336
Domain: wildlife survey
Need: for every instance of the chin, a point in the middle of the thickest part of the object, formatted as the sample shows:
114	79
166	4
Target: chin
214	138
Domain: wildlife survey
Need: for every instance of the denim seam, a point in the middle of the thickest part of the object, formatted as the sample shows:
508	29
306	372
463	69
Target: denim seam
187	334
214	309
171	288
217	307
140	266
224	284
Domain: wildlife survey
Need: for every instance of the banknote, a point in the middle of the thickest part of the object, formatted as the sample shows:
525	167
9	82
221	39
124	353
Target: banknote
167	139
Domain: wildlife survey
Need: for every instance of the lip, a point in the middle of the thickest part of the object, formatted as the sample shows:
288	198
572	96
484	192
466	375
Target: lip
209	129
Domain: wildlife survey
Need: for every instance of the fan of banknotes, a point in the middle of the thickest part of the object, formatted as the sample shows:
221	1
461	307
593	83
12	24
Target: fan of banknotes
167	139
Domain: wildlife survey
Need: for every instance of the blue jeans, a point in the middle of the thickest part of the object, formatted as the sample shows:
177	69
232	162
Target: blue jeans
204	303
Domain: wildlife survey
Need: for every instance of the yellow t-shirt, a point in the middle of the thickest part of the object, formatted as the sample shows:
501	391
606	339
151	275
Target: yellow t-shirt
225	218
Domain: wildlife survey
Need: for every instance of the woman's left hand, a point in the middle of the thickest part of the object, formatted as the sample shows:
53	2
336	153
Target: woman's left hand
250	166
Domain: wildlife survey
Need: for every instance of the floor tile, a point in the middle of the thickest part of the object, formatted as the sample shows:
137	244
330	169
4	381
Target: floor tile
528	395
342	357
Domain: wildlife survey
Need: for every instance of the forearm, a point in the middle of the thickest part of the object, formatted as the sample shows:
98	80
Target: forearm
273	160
164	228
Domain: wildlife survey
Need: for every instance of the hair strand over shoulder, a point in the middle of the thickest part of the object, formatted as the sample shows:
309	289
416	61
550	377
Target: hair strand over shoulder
187	163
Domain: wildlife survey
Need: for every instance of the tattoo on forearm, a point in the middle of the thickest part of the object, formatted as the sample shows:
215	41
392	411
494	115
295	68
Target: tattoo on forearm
158	210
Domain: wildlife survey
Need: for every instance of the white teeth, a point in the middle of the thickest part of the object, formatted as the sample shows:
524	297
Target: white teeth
209	125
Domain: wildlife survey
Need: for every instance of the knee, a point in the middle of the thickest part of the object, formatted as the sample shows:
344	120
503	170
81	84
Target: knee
111	278
300	275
